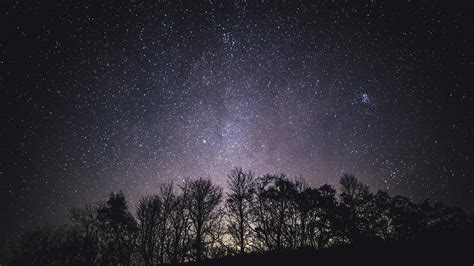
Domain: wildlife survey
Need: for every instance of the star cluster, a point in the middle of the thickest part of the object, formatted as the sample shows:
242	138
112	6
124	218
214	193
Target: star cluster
100	96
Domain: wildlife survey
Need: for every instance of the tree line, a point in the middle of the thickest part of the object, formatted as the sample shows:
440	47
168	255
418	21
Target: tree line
197	220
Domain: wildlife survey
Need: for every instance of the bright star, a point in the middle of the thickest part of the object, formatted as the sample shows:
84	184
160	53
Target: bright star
365	98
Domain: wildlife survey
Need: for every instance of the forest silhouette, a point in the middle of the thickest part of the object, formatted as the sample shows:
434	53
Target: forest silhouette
265	220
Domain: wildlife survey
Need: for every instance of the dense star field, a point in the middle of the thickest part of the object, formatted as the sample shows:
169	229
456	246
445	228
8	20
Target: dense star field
100	97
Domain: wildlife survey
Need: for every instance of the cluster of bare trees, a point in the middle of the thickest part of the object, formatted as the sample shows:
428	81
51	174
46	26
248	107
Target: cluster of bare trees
196	220
174	228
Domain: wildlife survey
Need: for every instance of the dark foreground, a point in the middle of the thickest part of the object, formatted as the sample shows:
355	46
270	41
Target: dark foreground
449	251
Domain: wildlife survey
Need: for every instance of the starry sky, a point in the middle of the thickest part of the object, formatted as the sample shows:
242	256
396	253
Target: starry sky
101	96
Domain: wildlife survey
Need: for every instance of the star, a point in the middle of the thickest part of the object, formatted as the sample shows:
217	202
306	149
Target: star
365	98
95	104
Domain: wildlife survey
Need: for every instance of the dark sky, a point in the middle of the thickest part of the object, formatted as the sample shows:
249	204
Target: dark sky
100	96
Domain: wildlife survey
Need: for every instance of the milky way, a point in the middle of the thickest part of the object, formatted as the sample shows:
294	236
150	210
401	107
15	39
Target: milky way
104	97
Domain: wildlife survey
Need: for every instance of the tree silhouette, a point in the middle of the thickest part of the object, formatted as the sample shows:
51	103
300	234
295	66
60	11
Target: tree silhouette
180	226
379	213
204	200
268	213
149	213
48	246
164	230
407	218
318	211
85	222
355	199
117	231
239	204
273	209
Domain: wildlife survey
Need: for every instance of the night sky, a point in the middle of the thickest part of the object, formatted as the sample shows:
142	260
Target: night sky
101	96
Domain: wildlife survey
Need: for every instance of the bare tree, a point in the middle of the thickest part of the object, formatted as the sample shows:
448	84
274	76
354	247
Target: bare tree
179	226
85	221
155	234
164	228
239	203
149	213
204	213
